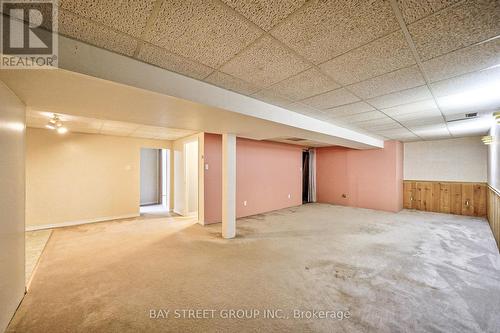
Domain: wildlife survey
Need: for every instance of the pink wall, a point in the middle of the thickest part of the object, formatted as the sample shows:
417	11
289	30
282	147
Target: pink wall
266	172
370	178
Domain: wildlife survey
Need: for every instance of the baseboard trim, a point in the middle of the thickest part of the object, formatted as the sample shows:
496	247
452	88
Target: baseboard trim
79	222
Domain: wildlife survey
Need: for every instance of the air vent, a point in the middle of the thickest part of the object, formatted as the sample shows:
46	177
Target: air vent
471	115
295	139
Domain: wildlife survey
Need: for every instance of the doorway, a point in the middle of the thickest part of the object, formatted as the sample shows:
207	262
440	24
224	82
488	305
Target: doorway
155	180
305	176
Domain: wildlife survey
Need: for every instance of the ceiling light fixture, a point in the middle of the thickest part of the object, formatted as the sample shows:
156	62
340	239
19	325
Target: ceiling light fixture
488	139
55	123
496	115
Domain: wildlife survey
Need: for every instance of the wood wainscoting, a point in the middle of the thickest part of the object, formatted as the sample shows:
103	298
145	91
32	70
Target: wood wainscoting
494	213
446	197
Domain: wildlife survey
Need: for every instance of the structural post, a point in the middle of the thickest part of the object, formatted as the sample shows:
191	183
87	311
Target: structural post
228	185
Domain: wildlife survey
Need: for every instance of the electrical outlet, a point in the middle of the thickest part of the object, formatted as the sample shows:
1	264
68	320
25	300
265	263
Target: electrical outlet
245	203
344	195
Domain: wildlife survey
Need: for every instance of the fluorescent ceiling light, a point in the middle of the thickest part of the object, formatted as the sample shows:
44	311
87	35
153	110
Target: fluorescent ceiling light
481	95
478	125
62	130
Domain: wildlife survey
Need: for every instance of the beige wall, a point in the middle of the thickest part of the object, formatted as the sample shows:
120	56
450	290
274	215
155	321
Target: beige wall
461	159
82	177
12	122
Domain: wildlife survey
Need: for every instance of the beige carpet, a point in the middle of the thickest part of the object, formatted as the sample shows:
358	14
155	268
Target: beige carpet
410	271
35	242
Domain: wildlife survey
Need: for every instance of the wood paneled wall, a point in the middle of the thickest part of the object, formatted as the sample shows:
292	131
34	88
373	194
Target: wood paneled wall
446	197
494	213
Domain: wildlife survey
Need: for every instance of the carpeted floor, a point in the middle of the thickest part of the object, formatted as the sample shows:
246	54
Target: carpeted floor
405	272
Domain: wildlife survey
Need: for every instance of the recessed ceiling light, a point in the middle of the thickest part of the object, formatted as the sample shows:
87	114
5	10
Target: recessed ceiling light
62	130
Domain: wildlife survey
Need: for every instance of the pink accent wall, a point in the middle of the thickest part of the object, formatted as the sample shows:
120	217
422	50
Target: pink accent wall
266	172
370	178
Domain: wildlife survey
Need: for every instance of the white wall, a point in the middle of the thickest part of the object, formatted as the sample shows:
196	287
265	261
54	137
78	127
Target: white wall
494	159
150	176
12	159
461	159
182	181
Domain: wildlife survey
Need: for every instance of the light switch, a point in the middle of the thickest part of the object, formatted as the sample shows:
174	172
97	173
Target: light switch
289	195
245	203
206	166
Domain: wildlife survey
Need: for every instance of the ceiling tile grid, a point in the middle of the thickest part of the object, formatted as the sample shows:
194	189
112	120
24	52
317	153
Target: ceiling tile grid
206	31
272	97
457	26
381	56
414	10
265	13
265	62
331	99
463	61
305	84
318	30
127	16
401	79
329	59
95	34
173	62
229	82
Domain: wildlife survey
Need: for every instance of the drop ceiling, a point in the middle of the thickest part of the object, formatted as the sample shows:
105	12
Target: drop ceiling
398	69
39	119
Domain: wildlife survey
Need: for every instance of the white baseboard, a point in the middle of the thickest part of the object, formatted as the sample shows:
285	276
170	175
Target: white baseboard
72	223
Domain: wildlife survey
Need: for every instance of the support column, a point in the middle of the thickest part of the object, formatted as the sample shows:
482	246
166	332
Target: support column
228	185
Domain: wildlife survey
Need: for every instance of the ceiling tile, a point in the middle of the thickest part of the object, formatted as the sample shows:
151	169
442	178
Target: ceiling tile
472	92
399	134
401	79
381	127
128	16
75	27
463	61
423	121
414	10
418	116
206	31
349	109
172	62
264	63
365	116
437	131
457	26
305	109
401	97
265	13
331	99
308	83
378	57
227	81
272	97
322	30
416	107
